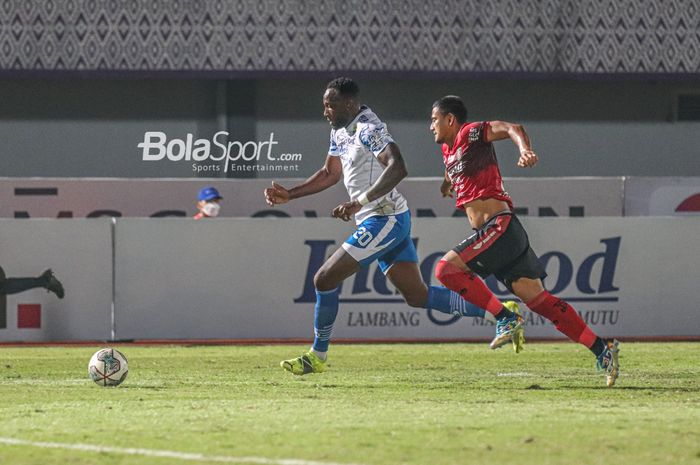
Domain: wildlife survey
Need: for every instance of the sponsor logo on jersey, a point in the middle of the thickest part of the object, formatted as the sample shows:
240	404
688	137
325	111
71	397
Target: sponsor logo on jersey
456	169
455	156
474	134
374	138
483	241
341	141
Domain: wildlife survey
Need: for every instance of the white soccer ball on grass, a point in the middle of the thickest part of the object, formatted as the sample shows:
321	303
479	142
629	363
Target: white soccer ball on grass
108	367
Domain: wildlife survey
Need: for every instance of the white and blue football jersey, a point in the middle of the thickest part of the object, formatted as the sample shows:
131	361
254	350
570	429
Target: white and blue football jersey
358	145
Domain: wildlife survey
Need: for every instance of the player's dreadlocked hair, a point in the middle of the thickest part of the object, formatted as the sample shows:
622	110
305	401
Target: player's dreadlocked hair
345	86
452	104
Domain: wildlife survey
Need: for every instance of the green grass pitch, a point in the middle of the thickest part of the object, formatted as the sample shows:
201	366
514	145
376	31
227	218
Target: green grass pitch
428	404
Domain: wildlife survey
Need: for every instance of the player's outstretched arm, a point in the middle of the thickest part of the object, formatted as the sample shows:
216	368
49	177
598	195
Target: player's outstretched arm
499	130
394	171
327	176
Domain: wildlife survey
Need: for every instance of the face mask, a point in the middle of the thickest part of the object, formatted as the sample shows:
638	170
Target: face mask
211	209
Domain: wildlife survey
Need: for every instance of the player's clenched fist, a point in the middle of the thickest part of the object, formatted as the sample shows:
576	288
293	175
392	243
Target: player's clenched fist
346	210
527	159
276	194
446	188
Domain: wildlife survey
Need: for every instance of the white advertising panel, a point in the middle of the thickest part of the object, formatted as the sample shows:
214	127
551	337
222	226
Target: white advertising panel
662	196
80	254
252	278
76	198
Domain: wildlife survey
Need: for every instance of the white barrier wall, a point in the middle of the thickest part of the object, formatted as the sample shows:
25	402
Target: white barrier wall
251	278
212	279
75	198
662	196
80	253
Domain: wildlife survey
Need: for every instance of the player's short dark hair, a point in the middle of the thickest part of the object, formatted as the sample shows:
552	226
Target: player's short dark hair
452	104
345	86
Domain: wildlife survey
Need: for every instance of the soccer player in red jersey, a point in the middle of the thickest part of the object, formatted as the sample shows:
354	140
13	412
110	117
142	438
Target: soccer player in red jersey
499	245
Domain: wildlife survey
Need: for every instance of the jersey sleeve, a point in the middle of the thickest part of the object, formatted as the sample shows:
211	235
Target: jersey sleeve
375	137
477	132
333	148
485	128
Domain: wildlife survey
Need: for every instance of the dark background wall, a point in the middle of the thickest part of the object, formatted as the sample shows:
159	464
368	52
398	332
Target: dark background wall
597	83
91	127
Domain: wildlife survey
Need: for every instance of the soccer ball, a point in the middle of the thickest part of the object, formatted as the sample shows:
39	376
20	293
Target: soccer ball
108	367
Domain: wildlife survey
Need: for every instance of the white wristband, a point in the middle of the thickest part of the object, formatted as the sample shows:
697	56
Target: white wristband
363	199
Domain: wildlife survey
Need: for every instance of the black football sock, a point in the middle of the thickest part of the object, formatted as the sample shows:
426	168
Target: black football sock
504	313
598	346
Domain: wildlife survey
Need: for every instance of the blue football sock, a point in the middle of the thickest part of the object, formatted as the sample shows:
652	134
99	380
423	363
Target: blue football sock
324	316
447	301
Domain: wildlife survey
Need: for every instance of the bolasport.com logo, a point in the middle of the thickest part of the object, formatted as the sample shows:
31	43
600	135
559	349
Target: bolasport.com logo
218	154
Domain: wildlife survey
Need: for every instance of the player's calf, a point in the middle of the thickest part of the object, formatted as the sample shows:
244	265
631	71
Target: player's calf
468	285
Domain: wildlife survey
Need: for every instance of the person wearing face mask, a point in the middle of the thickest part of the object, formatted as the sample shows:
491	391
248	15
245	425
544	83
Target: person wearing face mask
208	203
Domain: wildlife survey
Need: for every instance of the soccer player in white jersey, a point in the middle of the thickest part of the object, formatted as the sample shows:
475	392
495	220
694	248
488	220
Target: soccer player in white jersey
364	155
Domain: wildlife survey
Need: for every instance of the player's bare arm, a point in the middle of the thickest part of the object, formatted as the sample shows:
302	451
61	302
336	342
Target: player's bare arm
394	171
327	176
499	130
446	188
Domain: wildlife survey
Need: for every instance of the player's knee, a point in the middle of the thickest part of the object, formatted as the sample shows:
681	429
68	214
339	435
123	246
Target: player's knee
323	281
442	270
527	289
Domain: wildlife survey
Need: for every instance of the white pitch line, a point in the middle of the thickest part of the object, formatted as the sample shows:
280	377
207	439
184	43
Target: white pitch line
164	453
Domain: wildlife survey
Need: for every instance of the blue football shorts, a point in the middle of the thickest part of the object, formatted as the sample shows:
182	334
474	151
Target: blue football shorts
386	239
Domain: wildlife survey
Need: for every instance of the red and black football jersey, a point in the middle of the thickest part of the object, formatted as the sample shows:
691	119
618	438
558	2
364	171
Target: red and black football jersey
472	166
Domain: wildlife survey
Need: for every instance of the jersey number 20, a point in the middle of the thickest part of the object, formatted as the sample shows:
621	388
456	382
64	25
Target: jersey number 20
363	236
